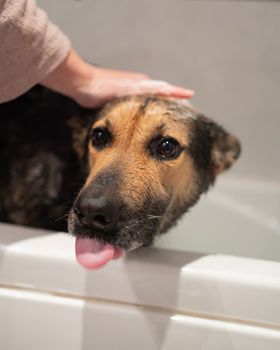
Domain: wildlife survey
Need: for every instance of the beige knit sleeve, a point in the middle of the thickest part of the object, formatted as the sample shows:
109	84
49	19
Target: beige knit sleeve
30	47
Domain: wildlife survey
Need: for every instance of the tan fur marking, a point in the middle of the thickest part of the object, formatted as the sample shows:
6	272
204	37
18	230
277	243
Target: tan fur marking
143	177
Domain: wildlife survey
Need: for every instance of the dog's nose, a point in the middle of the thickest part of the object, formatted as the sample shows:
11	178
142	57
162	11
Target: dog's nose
99	213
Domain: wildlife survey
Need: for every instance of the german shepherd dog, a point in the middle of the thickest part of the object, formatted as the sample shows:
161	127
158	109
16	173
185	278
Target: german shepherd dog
116	177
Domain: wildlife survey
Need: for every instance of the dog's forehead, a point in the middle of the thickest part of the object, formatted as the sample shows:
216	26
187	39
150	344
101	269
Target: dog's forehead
154	107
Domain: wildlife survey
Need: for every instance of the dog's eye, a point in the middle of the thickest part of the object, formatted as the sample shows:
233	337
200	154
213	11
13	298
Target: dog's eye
100	137
166	148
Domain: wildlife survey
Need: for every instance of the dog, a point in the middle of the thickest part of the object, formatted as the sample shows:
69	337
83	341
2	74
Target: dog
116	177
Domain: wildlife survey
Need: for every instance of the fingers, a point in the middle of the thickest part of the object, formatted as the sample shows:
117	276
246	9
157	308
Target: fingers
131	83
162	88
179	92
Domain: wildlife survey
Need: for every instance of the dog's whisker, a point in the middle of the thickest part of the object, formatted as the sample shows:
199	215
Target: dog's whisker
151	217
61	218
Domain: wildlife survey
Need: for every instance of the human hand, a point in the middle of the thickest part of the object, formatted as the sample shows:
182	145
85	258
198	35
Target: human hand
105	84
92	86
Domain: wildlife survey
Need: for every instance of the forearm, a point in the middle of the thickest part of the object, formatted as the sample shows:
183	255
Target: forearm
70	75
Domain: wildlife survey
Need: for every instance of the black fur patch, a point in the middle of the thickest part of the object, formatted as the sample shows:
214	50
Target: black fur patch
40	172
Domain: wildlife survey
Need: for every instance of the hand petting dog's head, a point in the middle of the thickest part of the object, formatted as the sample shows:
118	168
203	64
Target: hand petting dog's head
149	160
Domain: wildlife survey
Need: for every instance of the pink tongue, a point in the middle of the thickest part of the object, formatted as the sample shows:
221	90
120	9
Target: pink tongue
92	254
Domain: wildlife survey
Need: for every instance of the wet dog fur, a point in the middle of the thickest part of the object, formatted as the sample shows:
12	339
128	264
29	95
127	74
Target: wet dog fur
122	174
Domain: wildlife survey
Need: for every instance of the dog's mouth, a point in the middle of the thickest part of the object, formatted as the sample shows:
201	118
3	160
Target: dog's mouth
92	253
97	246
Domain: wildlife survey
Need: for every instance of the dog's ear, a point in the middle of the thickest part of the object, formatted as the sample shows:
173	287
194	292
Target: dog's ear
225	150
218	148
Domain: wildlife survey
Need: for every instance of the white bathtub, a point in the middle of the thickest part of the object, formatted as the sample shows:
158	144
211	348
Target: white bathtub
212	283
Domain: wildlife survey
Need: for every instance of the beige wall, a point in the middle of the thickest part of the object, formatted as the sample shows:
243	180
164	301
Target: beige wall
228	51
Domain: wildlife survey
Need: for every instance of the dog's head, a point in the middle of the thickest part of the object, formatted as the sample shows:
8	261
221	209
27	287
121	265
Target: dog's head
149	160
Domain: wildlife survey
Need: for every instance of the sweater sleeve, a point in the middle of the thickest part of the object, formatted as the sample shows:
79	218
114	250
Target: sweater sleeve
30	47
